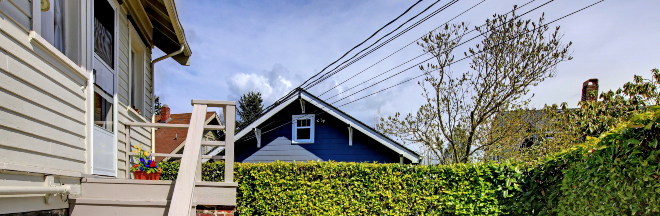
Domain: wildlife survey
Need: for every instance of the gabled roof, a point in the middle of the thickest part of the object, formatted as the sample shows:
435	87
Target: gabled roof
356	124
170	140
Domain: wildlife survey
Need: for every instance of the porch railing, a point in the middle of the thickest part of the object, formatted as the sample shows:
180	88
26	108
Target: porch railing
190	170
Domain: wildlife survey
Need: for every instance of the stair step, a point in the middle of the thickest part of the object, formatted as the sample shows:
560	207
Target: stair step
103	207
206	193
123	202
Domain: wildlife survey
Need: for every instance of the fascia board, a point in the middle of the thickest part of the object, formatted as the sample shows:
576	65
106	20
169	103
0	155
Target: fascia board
178	29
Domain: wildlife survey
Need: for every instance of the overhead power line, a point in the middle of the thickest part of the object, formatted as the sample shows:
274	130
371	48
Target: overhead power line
395	51
288	95
432	57
243	139
325	77
390	39
461	58
372	35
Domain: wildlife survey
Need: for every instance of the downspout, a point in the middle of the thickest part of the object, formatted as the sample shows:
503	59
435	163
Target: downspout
153	98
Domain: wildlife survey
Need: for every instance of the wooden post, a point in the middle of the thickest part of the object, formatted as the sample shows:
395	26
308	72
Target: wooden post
230	122
198	171
184	187
127	132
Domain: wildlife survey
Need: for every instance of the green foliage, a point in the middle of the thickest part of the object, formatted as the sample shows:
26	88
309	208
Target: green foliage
620	174
615	174
569	127
157	105
368	188
249	108
596	117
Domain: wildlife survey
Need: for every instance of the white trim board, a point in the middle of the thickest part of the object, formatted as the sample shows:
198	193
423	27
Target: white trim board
335	113
40	170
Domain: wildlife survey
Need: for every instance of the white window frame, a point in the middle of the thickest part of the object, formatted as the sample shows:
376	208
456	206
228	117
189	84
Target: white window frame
139	49
115	101
295	127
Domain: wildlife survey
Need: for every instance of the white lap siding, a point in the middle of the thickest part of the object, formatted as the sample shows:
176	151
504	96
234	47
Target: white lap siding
138	135
42	105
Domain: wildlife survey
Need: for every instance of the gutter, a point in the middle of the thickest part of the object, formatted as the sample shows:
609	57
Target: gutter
153	88
183	47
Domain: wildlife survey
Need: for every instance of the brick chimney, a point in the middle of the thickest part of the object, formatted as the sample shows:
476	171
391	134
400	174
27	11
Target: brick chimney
591	85
164	113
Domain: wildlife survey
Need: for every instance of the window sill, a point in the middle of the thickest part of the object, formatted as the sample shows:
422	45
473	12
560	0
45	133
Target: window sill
59	55
302	142
130	110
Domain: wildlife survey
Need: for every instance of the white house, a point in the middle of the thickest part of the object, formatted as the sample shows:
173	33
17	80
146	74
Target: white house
72	74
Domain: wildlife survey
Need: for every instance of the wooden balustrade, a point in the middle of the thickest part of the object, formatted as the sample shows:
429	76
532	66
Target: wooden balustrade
190	168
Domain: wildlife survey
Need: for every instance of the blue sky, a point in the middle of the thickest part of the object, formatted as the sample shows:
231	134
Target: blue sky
273	46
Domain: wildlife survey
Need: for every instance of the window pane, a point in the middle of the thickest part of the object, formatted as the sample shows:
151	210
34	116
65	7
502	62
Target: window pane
303	133
133	81
103	112
104	28
299	123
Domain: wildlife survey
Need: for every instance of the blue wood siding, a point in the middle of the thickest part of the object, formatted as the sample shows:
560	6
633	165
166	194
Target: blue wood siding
330	143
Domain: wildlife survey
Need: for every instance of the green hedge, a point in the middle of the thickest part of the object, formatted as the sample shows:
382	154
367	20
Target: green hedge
368	188
616	174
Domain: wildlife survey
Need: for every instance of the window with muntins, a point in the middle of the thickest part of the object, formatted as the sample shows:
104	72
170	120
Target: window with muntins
104	60
303	128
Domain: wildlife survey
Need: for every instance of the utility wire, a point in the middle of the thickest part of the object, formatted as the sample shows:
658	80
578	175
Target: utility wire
288	95
431	57
390	39
395	51
292	92
372	35
243	139
324	78
461	58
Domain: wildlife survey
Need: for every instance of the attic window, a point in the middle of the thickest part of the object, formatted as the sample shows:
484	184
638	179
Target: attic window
303	129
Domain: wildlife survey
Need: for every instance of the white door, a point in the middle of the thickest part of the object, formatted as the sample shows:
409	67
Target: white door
103	153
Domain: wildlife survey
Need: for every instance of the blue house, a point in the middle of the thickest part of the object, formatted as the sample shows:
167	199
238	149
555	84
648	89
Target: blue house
306	128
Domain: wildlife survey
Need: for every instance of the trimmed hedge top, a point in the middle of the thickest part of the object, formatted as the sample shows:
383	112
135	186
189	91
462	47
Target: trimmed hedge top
614	174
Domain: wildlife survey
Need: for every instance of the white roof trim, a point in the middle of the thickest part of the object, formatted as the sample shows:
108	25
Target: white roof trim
337	114
360	127
254	124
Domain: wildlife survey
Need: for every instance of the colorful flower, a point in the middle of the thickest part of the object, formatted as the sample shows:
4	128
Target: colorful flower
152	164
136	165
141	169
142	160
146	153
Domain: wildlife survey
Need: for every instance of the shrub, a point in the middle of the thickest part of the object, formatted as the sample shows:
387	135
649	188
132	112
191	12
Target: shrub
620	174
614	174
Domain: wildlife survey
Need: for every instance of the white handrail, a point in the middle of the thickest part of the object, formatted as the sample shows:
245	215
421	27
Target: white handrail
190	167
184	186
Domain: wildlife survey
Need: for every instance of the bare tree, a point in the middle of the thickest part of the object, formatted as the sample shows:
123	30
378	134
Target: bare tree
377	118
463	114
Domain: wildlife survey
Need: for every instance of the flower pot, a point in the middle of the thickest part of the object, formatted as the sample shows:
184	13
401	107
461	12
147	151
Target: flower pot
153	176
140	175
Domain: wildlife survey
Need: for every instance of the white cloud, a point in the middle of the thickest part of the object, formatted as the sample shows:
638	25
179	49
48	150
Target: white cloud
272	84
241	46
